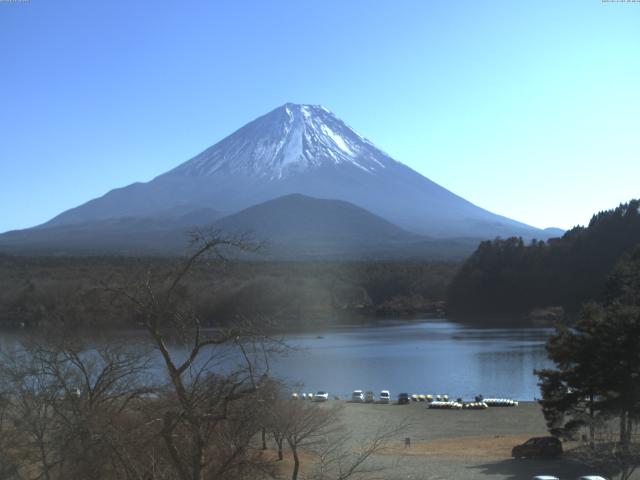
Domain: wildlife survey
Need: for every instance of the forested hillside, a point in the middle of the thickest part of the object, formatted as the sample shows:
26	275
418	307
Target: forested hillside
511	278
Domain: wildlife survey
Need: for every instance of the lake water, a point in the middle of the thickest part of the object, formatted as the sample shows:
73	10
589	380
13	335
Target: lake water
427	357
435	356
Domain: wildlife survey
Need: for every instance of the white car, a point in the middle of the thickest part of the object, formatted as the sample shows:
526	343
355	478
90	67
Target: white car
385	396
592	477
321	396
357	396
545	477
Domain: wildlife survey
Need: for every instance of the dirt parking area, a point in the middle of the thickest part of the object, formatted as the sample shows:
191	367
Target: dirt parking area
457	444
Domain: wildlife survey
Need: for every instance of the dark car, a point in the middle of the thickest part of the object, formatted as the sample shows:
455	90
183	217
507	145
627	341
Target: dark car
403	399
541	447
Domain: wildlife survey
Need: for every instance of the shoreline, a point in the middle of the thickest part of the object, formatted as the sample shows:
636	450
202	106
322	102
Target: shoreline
301	328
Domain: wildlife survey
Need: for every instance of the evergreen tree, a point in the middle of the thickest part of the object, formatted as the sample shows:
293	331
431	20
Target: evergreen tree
597	375
505	277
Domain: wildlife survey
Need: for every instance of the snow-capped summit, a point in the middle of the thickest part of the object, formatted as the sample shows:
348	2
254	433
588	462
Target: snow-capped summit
294	149
289	139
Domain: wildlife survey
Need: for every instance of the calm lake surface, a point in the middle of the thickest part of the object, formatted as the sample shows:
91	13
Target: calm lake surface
435	356
427	357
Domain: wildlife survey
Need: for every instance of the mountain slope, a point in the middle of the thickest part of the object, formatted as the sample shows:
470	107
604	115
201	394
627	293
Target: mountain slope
290	227
299	218
301	149
129	236
300	227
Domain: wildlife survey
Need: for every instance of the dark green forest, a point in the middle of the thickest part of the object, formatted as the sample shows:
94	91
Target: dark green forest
595	382
74	291
506	278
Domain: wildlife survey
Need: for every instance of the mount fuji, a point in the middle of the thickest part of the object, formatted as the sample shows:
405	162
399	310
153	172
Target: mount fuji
294	149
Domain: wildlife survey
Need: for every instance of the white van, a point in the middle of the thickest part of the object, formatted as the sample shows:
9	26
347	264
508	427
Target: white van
385	396
357	396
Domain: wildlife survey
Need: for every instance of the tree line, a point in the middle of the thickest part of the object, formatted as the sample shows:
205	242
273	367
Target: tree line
297	294
506	277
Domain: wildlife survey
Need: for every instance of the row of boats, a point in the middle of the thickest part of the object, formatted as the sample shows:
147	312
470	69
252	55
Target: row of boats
434	401
481	405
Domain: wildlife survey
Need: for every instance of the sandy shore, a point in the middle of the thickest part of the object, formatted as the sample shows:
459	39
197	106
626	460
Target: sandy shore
461	444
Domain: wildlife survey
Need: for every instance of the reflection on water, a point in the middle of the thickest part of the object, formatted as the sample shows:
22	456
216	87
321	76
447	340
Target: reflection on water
430	357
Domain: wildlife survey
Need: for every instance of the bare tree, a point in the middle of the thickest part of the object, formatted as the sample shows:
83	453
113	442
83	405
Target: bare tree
30	397
204	422
343	457
9	437
318	431
605	451
307	426
68	403
276	421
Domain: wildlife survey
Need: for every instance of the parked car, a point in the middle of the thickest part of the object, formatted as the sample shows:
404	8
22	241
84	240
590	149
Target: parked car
543	447
592	477
321	396
368	397
545	477
403	399
357	396
385	396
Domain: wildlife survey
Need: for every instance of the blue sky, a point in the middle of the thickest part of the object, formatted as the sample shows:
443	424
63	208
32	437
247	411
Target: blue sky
528	109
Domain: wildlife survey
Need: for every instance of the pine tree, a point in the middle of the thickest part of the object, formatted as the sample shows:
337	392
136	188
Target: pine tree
597	374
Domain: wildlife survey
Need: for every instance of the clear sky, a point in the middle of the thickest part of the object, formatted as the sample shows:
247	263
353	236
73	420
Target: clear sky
530	109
